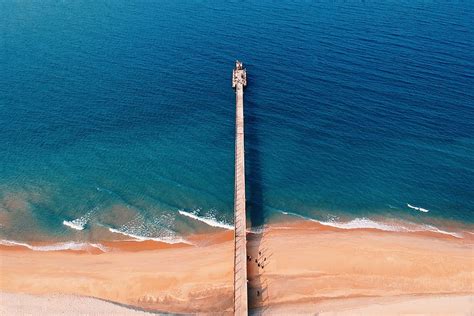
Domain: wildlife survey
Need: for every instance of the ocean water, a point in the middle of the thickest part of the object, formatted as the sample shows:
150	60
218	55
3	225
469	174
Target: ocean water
117	117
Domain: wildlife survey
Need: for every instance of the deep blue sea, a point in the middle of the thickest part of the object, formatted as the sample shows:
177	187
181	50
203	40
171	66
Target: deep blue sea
117	117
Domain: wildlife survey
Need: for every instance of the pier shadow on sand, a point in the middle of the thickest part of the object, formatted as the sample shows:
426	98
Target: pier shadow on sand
257	286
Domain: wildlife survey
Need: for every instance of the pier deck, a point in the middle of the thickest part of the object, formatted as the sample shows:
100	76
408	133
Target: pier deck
239	81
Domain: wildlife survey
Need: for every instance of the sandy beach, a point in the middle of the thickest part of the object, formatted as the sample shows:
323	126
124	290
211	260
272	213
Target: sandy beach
308	269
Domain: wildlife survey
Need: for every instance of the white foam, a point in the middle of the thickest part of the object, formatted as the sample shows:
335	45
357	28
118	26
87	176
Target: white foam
439	231
165	239
298	215
209	220
358	223
57	246
80	223
366	223
424	210
74	224
156	229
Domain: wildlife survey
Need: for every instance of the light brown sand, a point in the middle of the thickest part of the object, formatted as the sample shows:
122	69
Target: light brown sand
308	269
25	304
451	305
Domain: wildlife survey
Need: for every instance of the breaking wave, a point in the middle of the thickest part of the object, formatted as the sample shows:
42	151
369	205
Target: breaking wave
165	239
366	223
75	246
156	229
209	220
424	210
80	223
75	224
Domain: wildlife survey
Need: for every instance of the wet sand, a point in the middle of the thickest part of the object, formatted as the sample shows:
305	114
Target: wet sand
308	269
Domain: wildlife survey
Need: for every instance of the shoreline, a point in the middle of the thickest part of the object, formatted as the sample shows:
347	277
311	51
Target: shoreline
306	262
286	220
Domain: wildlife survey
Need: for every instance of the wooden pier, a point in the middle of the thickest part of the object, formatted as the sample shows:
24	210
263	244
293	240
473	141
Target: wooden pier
239	81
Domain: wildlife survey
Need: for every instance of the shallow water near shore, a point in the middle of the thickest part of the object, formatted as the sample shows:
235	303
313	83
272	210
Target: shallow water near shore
117	119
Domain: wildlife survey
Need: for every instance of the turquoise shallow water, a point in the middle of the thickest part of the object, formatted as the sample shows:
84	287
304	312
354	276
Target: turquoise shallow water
118	118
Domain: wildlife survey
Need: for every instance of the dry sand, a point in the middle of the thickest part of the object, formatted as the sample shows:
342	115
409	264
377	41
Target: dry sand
308	269
25	304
